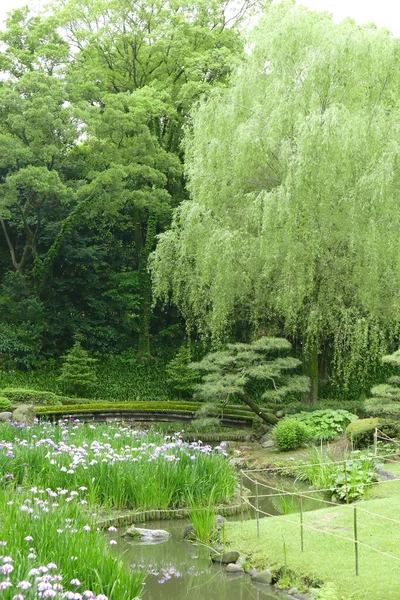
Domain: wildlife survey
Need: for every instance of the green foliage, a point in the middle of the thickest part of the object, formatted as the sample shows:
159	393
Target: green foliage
230	373
26	396
350	480
203	519
290	434
207	417
5	404
305	136
326	424
77	372
386	397
361	432
179	375
317	469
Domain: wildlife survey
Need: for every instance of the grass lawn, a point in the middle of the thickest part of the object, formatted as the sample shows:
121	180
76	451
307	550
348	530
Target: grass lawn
327	558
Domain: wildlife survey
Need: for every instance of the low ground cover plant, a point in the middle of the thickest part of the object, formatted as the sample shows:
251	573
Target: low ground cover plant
326	424
120	467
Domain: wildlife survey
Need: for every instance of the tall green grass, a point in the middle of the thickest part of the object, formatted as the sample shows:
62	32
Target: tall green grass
203	518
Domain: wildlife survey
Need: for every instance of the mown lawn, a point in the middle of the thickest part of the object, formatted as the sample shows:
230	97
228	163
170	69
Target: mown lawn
327	557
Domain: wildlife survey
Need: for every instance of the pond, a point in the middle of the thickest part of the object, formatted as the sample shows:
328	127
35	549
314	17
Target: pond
178	570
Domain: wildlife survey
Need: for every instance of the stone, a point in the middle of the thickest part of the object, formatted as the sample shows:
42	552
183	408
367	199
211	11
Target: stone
155	535
219	521
189	533
268	444
293	591
5	416
280	414
234	568
226	557
262	577
265	438
383	475
24	414
251	572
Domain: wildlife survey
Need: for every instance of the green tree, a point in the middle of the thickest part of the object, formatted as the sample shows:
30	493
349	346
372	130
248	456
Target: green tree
231	373
385	398
294	177
77	373
137	69
179	375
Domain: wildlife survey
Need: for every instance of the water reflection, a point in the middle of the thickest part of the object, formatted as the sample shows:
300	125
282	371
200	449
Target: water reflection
178	570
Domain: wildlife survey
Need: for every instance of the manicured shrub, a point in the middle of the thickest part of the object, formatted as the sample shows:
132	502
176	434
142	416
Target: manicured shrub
68	400
24	396
77	374
5	404
361	432
290	434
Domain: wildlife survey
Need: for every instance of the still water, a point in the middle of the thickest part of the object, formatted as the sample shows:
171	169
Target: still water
179	570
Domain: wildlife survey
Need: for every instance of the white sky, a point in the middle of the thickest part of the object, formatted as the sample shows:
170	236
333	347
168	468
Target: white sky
385	13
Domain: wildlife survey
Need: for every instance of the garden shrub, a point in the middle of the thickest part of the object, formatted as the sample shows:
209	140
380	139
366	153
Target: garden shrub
26	396
326	424
290	434
5	404
78	370
361	432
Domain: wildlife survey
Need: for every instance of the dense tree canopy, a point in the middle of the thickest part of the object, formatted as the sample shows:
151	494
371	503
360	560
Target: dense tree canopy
292	225
93	100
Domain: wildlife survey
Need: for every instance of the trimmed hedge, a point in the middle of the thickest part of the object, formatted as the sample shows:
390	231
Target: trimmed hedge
98	407
25	396
361	432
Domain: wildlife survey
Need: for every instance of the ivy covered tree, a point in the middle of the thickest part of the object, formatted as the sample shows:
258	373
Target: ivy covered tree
230	374
179	375
78	375
385	398
294	177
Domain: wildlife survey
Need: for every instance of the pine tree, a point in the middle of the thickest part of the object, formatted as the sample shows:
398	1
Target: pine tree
232	372
386	396
77	374
179	375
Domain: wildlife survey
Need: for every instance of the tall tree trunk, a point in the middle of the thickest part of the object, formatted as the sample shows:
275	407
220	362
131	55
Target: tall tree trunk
311	370
267	417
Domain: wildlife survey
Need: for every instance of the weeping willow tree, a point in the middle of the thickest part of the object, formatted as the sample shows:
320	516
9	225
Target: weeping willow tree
385	398
293	173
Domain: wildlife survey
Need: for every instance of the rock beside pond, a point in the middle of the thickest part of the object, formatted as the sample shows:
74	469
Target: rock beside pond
234	568
268	444
262	577
385	475
226	558
293	591
24	414
155	535
5	416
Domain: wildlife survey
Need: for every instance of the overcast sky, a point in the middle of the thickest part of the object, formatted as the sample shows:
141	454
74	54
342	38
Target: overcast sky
385	13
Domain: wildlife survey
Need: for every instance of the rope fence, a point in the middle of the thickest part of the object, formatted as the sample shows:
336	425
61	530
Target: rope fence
356	508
